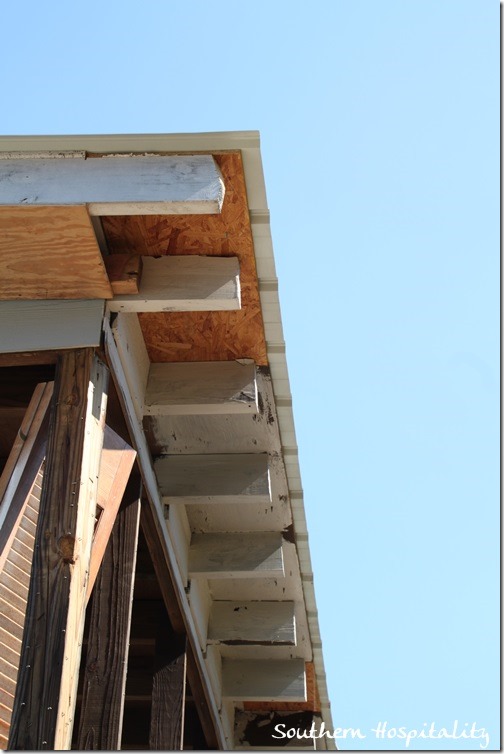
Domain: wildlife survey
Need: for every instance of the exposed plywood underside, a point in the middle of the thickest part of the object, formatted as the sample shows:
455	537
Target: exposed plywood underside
200	336
50	253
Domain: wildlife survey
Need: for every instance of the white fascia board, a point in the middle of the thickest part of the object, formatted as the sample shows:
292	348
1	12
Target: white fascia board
139	143
263	247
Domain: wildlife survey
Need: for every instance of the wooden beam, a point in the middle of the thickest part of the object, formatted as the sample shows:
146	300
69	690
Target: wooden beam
45	701
205	387
184	284
109	631
117	185
124	272
131	349
266	623
224	478
168	690
236	555
43	325
116	463
264	680
312	703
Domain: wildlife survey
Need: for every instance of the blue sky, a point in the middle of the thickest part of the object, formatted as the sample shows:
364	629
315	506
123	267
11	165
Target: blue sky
380	138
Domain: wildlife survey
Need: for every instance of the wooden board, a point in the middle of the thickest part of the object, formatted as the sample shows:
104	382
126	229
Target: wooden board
116	463
184	284
264	680
116	185
41	325
131	349
237	555
268	623
312	703
237	477
50	253
203	336
21	452
124	272
168	691
209	387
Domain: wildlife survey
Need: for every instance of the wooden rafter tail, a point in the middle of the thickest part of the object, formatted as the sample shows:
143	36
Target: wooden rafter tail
117	185
201	388
264	680
184	284
214	478
238	555
262	623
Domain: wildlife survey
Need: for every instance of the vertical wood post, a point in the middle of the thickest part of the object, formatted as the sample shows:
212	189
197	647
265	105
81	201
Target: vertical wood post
47	682
168	690
109	630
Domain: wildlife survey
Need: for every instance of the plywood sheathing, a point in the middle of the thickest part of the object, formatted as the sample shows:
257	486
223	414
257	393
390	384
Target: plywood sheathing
50	253
200	336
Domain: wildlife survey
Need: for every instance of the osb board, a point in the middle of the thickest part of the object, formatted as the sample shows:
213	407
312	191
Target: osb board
50	252
200	336
312	703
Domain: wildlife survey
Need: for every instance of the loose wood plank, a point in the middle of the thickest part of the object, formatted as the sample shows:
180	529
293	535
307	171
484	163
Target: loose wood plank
268	623
44	703
42	325
209	387
109	631
238	477
264	680
116	463
184	284
117	185
236	555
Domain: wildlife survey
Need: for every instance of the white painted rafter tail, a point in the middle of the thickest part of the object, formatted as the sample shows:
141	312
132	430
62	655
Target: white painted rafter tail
264	680
187	283
236	555
266	623
133	185
201	388
220	478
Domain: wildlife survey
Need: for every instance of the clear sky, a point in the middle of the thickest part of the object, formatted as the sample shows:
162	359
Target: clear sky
380	139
